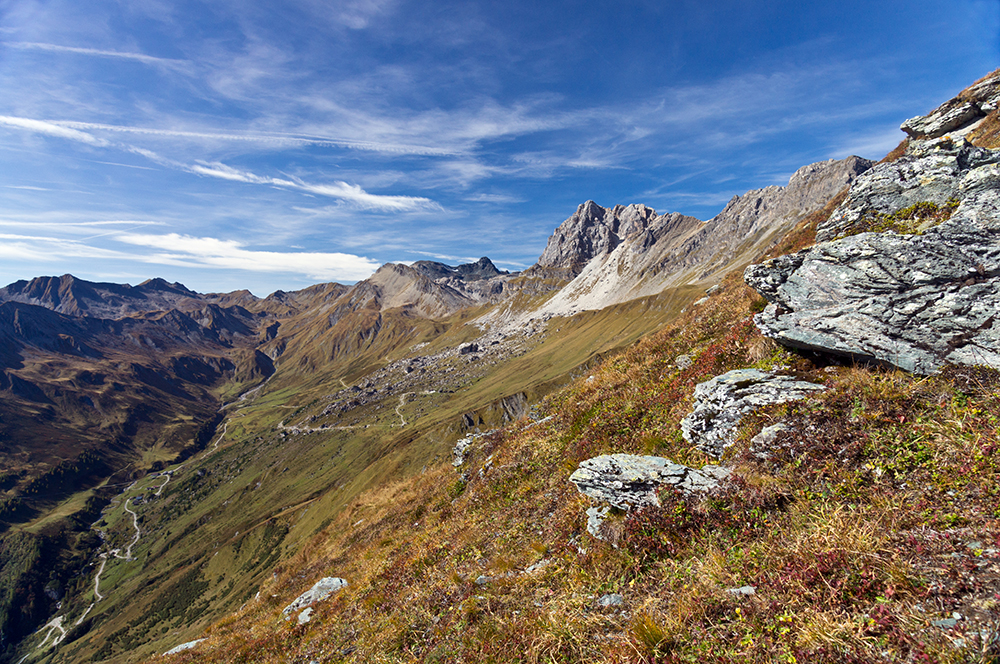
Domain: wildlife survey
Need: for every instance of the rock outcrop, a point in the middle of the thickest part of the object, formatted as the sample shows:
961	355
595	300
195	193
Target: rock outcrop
628	481
720	404
914	301
960	114
625	253
320	591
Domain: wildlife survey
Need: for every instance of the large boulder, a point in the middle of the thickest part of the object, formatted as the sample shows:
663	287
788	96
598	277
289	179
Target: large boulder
914	301
720	404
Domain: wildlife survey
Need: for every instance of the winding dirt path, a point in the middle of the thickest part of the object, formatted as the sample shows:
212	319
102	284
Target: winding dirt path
138	533
402	402
53	625
56	624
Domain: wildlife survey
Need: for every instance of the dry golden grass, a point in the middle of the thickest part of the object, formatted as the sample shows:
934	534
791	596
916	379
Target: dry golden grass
831	530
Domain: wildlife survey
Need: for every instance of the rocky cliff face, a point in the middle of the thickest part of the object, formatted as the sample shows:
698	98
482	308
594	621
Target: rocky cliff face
593	231
906	270
634	253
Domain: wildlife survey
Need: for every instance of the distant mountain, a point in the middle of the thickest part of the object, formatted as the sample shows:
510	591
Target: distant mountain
481	269
76	297
320	393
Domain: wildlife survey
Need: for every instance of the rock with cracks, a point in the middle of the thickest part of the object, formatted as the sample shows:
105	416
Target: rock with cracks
320	591
629	481
913	301
720	404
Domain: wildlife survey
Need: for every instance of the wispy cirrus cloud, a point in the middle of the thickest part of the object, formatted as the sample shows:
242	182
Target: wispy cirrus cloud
52	129
275	139
349	193
101	53
191	251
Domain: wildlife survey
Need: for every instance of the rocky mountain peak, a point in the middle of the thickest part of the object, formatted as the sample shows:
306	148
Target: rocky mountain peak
397	286
481	269
593	231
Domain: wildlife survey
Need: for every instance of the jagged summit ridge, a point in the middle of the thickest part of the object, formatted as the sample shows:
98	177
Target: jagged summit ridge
77	297
593	231
481	269
637	253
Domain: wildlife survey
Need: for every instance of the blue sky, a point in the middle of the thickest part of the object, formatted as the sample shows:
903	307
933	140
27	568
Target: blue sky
269	145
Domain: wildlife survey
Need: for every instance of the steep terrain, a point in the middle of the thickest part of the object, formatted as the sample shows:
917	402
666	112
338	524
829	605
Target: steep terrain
789	536
856	521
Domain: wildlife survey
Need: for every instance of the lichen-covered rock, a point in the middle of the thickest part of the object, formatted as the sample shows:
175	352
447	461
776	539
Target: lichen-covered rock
930	171
720	404
959	114
762	443
628	481
320	591
912	301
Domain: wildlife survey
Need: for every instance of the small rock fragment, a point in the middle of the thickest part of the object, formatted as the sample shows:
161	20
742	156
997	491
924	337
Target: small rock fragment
611	599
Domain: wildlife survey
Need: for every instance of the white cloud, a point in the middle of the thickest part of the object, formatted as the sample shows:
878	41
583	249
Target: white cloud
52	129
277	139
496	198
138	57
189	251
49	249
349	193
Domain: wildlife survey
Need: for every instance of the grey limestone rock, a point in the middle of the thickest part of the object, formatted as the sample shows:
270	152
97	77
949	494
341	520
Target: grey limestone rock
762	443
592	231
629	481
943	120
462	446
595	519
720	404
929	171
958	114
912	301
320	591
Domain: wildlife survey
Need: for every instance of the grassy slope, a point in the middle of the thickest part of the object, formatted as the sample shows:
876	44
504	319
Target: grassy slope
875	517
214	538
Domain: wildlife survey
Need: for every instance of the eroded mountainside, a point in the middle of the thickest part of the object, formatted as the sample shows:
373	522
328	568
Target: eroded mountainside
621	518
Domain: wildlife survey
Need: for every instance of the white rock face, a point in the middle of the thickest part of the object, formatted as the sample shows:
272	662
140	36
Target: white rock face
320	591
184	646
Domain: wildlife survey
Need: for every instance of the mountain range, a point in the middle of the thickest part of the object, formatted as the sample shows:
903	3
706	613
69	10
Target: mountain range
167	456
